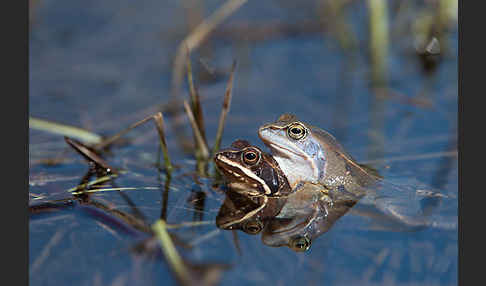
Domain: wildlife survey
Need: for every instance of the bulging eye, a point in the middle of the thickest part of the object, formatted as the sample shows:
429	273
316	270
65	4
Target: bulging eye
296	131
251	157
300	244
253	227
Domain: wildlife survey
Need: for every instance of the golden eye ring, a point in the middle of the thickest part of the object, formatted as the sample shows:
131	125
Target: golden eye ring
296	131
251	156
300	244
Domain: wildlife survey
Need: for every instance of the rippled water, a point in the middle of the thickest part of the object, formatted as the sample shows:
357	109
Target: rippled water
103	65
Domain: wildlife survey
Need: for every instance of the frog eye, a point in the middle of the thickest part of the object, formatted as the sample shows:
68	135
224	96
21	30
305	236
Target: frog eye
296	131
253	227
251	157
300	243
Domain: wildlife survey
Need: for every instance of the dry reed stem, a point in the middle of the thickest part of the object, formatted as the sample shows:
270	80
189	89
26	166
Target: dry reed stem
88	154
197	36
117	136
192	90
200	141
195	102
159	124
224	111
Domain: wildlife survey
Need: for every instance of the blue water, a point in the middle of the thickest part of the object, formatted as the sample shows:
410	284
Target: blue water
103	65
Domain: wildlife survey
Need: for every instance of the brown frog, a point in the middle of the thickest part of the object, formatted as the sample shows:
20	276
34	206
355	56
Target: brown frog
293	220
250	171
263	196
254	174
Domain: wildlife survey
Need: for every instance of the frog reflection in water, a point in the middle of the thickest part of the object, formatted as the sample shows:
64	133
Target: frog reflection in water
286	217
294	221
253	174
308	154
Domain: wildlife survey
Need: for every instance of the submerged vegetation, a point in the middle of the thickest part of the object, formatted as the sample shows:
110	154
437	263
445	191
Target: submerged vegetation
105	173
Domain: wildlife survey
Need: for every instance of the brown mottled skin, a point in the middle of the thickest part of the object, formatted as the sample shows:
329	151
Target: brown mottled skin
266	168
254	188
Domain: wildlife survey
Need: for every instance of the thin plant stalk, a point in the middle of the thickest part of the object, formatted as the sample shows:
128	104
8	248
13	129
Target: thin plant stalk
200	141
195	102
89	155
174	259
159	124
117	136
198	115
115	189
378	25
165	198
189	224
92	183
198	35
447	12
224	110
378	29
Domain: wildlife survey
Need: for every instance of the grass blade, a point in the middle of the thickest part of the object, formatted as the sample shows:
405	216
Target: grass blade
198	35
159	124
195	102
200	141
224	110
117	136
66	130
89	155
173	258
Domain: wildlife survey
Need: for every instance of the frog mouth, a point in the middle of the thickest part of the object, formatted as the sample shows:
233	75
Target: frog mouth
240	176
277	147
283	151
